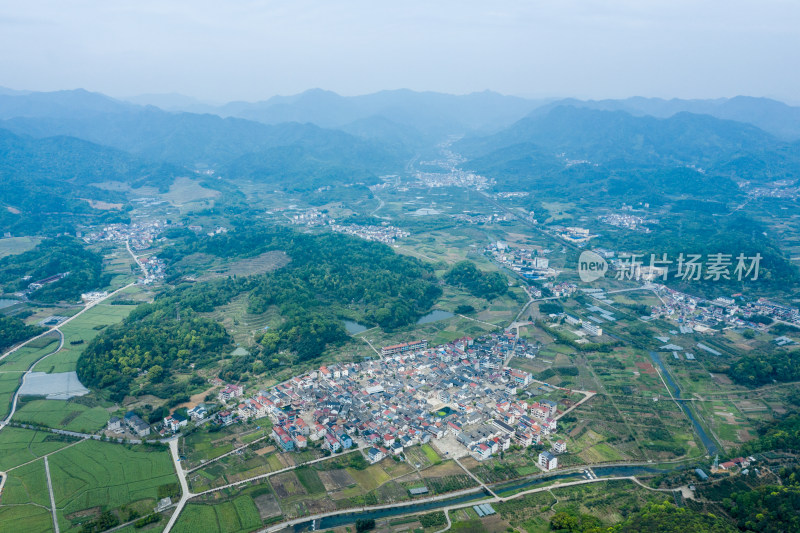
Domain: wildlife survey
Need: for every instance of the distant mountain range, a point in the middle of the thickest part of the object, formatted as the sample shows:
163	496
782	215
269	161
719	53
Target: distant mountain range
477	112
579	150
320	138
777	118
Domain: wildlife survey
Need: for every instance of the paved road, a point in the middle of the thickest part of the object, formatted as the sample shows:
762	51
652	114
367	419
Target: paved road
185	494
480	321
449	523
25	376
136	259
88	306
52	498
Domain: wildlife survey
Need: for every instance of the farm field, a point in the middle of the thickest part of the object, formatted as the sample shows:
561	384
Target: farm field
18	446
201	446
79	332
9	382
69	415
95	475
14	365
17	245
27	484
343	481
239	514
28	518
24	357
119	264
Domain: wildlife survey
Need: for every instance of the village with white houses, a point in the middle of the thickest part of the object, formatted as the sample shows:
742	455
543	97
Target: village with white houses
460	394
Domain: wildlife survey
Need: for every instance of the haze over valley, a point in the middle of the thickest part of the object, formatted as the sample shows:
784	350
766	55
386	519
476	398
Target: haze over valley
248	282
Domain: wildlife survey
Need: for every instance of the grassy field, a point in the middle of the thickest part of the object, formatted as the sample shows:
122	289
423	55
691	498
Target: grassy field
79	332
27	484
240	514
27	518
201	446
24	357
185	190
59	414
97	474
17	245
13	366
9	382
18	446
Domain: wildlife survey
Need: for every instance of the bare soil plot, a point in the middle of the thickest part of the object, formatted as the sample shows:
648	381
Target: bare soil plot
267	506
448	468
323	505
286	485
335	479
265	450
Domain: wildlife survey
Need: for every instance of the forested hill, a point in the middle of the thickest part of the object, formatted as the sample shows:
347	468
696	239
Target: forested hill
613	156
330	276
47	182
617	137
51	257
187	139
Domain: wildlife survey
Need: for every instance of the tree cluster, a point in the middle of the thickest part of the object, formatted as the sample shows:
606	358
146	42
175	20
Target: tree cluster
488	285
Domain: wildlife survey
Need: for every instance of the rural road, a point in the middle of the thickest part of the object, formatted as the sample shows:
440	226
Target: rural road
52	497
185	494
25	376
88	306
138	263
449	523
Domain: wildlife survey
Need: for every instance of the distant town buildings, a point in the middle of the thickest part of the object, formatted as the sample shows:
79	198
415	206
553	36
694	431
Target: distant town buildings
385	234
528	263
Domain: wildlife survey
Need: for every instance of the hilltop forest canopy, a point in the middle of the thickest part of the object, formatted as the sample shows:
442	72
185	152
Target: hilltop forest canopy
54	256
330	276
487	285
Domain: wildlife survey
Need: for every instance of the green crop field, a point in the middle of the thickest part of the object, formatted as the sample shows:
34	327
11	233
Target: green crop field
93	473
84	328
24	357
27	484
240	514
17	245
9	381
370	478
60	414
18	446
431	454
197	517
310	480
27	518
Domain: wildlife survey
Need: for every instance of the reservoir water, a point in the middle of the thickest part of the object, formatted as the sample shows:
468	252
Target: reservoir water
435	316
354	327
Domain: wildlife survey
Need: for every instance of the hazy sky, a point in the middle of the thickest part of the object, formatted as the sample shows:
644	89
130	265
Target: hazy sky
251	50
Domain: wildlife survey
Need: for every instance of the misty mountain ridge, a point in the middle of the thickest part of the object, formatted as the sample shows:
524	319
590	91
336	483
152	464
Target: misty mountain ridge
775	117
565	142
365	136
